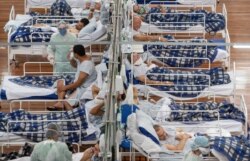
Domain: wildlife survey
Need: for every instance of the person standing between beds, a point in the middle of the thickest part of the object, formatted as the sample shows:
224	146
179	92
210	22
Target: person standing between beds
57	54
84	77
51	149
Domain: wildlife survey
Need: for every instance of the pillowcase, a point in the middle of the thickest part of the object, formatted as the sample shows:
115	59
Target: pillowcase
87	30
145	125
131	124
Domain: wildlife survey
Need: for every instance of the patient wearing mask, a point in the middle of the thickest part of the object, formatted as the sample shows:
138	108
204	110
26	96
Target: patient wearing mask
51	149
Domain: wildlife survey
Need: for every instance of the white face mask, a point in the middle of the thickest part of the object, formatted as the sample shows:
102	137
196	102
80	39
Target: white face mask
138	62
204	151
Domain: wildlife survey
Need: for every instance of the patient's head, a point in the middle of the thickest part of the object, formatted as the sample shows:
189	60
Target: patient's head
79	51
97	5
161	133
136	8
53	131
136	24
134	58
82	23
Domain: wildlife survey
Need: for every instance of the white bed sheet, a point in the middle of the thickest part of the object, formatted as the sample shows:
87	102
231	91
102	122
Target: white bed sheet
224	89
231	126
72	3
15	91
196	2
218	155
151	28
12	138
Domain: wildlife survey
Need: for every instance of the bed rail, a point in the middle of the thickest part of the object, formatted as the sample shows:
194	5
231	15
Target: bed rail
44	121
27	104
191	28
203	4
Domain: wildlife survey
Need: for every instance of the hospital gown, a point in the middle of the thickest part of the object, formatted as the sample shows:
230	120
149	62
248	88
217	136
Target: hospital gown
50	150
60	52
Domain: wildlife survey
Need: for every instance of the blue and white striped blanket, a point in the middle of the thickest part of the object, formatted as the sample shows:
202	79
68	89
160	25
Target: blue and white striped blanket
187	81
60	8
226	111
29	34
214	22
190	51
77	113
43	81
234	148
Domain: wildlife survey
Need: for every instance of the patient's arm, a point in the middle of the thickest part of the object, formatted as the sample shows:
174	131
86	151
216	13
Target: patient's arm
97	110
144	79
182	137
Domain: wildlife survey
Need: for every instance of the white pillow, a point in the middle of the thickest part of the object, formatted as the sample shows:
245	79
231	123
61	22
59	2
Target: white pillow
131	124
145	125
145	143
87	30
100	30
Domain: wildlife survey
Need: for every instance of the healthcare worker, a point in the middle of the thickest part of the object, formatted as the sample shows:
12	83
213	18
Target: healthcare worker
51	149
199	146
57	54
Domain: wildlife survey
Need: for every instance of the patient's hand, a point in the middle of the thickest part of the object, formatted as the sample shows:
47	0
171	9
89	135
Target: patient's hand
182	136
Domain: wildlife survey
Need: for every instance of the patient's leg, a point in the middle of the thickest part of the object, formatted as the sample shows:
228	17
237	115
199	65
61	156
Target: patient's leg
61	95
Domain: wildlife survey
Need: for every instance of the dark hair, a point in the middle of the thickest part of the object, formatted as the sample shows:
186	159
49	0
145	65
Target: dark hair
79	50
85	21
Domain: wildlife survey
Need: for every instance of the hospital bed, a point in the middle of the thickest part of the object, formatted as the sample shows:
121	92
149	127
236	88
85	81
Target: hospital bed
212	4
190	28
43	28
146	146
183	55
45	4
15	89
74	123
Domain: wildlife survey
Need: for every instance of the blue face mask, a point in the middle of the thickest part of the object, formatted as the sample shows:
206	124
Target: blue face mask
63	31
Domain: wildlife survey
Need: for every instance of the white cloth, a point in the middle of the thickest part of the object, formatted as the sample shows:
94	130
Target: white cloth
171	133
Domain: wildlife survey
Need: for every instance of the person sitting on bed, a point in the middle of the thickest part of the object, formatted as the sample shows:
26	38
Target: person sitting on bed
51	149
138	36
84	77
171	139
140	69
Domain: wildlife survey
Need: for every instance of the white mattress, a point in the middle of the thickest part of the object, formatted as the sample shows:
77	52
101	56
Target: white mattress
72	3
197	2
224	89
231	126
14	91
150	28
12	138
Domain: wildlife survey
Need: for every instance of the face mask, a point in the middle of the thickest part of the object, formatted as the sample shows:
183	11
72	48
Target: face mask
63	31
204	151
97	15
138	62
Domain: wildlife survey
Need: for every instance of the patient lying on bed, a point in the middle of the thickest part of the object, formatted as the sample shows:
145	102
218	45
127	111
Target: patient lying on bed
171	139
